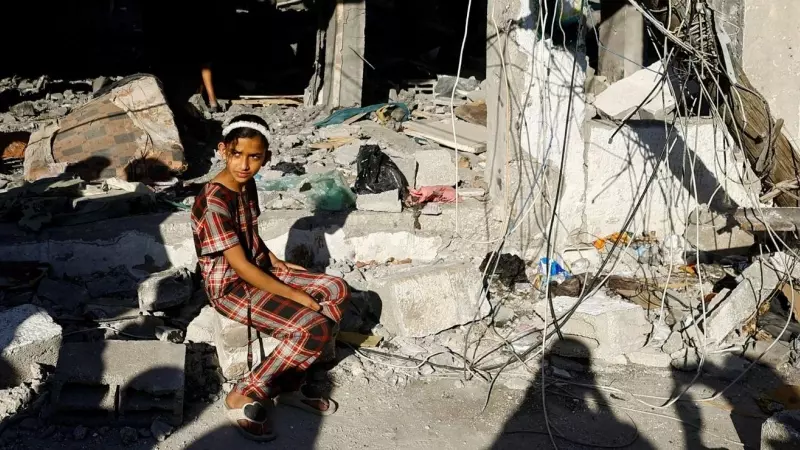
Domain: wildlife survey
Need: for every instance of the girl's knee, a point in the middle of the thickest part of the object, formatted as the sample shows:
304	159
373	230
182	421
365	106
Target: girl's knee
319	334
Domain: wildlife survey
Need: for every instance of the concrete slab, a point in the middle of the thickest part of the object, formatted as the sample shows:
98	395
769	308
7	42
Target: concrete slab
201	328
27	335
618	326
756	283
426	300
435	168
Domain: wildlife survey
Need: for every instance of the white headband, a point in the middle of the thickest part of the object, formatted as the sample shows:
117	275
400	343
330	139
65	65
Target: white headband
252	125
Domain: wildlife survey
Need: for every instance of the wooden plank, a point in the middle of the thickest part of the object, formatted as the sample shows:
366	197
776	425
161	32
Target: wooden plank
267	101
471	138
777	219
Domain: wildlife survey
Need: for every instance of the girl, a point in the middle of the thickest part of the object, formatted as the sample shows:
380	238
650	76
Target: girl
247	283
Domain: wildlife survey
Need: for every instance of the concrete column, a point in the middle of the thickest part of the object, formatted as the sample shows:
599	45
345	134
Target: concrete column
622	40
771	57
344	68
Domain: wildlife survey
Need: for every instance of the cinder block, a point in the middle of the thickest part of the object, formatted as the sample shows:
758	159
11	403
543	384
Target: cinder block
126	382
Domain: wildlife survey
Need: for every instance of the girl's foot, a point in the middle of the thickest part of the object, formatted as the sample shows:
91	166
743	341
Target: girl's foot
250	417
307	399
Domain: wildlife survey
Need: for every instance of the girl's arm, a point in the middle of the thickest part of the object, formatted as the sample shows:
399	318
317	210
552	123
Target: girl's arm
250	273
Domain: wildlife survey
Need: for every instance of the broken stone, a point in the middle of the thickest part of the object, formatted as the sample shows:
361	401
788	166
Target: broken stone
388	201
755	285
169	334
233	361
63	293
27	335
427	300
709	232
266	174
781	431
23	109
435	168
674	343
622	97
617	326
471	192
165	289
346	155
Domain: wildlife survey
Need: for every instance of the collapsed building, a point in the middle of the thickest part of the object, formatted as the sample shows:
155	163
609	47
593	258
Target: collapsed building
566	160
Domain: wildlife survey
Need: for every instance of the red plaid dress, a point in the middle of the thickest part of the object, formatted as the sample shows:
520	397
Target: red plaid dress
222	219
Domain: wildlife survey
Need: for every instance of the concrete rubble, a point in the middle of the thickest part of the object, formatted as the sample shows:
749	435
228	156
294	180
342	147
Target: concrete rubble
781	431
126	287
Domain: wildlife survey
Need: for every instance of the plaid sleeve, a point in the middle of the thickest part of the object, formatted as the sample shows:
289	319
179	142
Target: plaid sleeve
217	230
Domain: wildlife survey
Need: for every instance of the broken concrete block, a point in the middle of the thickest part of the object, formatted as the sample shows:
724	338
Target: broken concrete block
165	289
143	380
426	300
201	328
27	335
267	174
63	293
709	231
781	431
618	326
346	154
756	283
622	97
233	360
435	168
388	201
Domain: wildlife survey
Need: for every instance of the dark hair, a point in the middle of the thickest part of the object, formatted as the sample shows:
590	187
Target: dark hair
237	133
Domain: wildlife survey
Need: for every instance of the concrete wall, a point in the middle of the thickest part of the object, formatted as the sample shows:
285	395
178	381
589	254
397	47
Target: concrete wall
528	123
772	58
619	170
528	91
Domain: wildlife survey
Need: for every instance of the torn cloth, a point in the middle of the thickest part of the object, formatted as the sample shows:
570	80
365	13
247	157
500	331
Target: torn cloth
438	194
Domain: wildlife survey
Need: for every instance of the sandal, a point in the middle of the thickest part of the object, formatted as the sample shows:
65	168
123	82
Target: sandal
253	412
300	400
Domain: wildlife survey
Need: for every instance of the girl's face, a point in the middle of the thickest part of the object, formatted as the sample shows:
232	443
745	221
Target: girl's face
245	158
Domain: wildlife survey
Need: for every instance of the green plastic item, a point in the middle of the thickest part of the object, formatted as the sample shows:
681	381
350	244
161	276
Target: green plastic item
323	191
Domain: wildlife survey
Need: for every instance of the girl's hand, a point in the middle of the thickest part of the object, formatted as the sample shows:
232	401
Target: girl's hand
277	264
308	301
295	267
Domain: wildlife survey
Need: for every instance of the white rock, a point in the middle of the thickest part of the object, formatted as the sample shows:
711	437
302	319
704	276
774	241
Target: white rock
622	97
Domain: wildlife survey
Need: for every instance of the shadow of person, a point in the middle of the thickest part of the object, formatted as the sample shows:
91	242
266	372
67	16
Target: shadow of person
578	417
761	388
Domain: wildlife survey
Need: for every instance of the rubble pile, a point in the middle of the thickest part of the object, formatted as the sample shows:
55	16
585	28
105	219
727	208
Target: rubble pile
423	306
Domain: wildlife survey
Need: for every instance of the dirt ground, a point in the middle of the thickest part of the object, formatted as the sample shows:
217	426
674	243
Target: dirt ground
446	414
